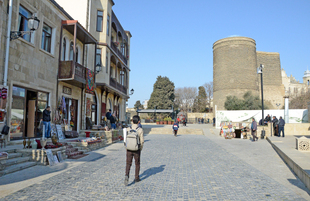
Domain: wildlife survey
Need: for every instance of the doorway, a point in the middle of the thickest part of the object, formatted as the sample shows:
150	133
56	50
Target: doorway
26	112
71	113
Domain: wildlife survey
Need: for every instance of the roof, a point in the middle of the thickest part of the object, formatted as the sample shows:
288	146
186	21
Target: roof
155	111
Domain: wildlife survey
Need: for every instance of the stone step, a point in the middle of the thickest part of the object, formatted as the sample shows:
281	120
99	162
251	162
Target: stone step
74	153
17	167
15	155
14	161
71	149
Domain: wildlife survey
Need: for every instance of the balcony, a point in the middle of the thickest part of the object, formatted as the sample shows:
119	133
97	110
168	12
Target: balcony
72	73
118	52
118	86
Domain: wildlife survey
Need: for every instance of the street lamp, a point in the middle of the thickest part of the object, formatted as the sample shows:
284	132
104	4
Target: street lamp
131	92
33	24
98	67
278	104
260	71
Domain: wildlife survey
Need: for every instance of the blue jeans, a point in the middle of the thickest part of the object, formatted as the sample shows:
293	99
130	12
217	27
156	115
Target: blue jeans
47	125
113	126
281	128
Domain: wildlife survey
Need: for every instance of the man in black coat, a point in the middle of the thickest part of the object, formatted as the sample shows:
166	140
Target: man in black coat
47	121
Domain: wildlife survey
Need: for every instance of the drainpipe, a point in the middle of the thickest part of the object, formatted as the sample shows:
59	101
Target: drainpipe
7	48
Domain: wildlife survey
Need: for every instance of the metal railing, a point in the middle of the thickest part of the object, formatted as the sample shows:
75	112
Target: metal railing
118	52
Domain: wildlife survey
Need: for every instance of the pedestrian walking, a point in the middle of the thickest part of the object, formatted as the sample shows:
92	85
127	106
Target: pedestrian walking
254	130
113	120
198	120
47	121
275	124
281	127
184	121
202	120
175	128
178	120
138	141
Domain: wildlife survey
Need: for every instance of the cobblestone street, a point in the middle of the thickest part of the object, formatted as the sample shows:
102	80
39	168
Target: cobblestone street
187	167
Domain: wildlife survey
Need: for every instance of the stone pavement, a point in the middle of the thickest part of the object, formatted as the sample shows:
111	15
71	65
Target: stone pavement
187	167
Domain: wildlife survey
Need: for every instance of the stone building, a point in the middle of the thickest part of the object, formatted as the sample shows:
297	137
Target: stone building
235	63
32	63
112	55
293	87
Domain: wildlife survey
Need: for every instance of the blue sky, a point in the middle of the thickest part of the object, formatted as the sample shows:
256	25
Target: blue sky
174	38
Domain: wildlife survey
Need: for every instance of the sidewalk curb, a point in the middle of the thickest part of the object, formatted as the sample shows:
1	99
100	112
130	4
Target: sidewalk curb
301	174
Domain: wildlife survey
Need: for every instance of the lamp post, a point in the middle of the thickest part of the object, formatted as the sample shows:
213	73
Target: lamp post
131	92
98	68
260	71
33	24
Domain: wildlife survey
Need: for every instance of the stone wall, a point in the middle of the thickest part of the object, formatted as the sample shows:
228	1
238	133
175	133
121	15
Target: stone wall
234	68
272	79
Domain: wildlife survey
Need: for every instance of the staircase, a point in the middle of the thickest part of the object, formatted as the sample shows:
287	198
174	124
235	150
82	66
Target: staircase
15	162
74	152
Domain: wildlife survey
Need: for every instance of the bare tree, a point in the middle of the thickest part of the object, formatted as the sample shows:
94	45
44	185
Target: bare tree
209	90
184	98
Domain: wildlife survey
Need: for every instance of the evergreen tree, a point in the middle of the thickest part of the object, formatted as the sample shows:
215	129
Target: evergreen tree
163	94
138	105
200	101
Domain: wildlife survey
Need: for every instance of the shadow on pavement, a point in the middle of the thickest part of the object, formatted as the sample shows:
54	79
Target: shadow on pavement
296	182
39	170
152	171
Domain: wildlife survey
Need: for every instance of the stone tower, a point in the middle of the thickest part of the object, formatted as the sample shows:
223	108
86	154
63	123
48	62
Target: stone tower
306	78
234	69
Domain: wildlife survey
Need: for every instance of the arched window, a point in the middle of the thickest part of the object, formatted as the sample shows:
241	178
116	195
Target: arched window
71	52
64	46
76	55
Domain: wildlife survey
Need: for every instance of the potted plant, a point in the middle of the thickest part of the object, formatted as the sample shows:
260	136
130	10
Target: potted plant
169	120
161	121
157	121
166	120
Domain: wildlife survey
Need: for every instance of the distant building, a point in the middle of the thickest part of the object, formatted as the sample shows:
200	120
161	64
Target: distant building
293	87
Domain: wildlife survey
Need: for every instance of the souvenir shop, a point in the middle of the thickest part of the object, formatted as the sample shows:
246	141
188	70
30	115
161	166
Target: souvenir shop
26	112
231	130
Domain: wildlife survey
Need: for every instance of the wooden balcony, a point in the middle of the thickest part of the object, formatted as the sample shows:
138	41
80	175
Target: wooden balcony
72	73
118	86
118	52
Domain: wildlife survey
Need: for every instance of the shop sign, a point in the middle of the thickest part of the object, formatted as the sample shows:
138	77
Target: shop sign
67	90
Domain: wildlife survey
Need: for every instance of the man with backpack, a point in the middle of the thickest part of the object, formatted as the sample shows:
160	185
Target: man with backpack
175	128
134	144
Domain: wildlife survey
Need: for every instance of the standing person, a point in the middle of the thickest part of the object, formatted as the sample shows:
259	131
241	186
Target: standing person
275	123
134	154
108	114
178	120
175	128
113	120
254	129
184	121
281	127
213	121
198	120
47	121
202	120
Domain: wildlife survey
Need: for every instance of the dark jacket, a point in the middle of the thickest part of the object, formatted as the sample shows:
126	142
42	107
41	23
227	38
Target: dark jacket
254	126
281	123
108	115
175	126
267	119
46	115
275	122
112	119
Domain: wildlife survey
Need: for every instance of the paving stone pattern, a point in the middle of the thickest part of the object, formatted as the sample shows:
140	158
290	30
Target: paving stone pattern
188	167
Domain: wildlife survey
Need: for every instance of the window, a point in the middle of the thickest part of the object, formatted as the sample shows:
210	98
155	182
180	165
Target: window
108	25
64	46
23	17
71	52
98	56
99	20
46	38
76	55
106	62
